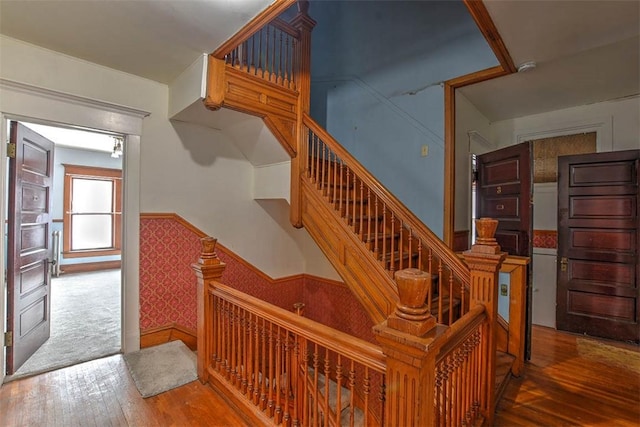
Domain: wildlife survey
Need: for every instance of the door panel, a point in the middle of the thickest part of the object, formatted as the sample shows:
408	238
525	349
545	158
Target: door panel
598	233
504	193
28	275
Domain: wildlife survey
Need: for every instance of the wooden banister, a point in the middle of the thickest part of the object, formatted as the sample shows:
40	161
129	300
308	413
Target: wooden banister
274	10
352	347
441	250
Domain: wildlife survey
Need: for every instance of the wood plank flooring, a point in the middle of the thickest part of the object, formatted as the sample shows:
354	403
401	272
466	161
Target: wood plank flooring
102	393
573	380
570	381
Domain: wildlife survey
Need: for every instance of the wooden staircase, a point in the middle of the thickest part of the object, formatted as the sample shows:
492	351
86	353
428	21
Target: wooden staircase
368	235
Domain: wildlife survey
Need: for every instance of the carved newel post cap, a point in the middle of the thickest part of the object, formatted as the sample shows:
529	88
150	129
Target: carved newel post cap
208	254
486	241
412	314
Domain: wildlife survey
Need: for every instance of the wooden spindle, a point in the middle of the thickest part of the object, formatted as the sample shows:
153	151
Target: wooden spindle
263	378
278	377
335	179
316	370
346	202
401	245
366	389
273	77
361	228
327	380
270	377
352	390
376	249
370	215
339	389
354	189
392	250
342	172
280	78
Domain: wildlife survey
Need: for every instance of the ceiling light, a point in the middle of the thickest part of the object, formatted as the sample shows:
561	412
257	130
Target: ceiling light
526	66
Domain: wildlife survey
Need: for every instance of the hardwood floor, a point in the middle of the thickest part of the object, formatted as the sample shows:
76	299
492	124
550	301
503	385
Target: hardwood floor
570	381
573	380
102	393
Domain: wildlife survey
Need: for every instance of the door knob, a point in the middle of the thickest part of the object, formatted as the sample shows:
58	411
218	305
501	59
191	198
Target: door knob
563	263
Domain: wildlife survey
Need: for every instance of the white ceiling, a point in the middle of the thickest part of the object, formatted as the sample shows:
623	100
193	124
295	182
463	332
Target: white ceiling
586	51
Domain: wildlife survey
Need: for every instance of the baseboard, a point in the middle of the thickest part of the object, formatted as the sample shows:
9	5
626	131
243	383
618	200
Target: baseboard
172	332
90	266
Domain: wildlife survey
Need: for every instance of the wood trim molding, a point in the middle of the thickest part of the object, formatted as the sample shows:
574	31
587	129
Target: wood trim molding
263	18
477	77
90	266
449	164
166	333
236	257
479	12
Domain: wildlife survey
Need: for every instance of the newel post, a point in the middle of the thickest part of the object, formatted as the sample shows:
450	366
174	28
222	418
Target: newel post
484	260
208	269
408	339
305	25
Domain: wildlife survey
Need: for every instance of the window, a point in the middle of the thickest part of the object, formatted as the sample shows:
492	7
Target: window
92	211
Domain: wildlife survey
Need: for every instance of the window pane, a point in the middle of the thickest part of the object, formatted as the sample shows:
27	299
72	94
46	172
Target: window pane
91	195
91	232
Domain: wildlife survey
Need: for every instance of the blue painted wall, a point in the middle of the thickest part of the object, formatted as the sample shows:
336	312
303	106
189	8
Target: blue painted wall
377	73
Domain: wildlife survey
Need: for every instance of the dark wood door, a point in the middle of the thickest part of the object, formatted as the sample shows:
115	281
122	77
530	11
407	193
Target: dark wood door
504	193
598	233
29	229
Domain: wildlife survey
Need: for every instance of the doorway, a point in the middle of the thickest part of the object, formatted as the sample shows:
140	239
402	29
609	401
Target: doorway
544	196
83	246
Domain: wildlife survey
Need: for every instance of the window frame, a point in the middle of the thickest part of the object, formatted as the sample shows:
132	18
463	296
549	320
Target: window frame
72	172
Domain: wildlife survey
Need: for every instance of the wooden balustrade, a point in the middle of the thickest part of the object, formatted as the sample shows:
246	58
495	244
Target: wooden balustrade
288	370
284	368
460	370
388	230
271	53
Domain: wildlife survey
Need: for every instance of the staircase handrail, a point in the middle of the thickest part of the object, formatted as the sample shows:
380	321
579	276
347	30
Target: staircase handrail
440	249
354	348
266	17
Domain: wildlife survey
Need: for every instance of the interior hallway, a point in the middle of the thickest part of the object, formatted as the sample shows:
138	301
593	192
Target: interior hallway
571	380
85	322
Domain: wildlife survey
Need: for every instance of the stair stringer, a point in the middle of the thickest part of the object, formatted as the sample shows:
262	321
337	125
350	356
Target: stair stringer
362	273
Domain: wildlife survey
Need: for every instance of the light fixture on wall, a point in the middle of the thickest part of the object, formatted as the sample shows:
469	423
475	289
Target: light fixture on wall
117	146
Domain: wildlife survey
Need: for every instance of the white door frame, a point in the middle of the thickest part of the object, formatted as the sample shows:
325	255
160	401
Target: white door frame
31	103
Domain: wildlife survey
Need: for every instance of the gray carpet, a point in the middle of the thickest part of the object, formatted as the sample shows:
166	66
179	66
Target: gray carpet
85	322
162	367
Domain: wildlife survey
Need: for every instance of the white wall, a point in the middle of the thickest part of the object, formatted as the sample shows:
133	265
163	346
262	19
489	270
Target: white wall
619	119
192	170
468	118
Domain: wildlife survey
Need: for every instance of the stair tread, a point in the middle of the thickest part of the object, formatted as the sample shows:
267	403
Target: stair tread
345	394
380	236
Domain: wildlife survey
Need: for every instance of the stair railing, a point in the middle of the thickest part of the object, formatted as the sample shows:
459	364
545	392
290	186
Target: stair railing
271	53
283	368
402	241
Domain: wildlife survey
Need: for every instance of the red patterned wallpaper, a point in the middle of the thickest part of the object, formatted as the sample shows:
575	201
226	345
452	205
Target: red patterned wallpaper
545	239
168	285
335	306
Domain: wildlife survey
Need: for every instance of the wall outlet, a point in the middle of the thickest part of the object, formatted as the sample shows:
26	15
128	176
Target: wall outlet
424	151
